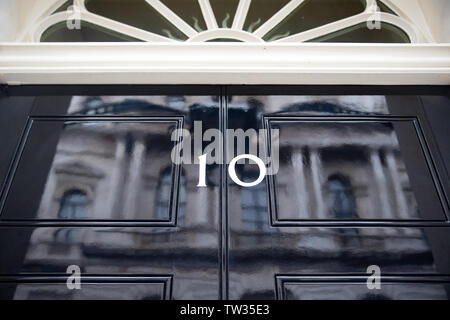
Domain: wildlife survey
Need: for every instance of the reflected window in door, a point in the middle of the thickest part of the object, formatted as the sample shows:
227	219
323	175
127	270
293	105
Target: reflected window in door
341	201
340	198
73	206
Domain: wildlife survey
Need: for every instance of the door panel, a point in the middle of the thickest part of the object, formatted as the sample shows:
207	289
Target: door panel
297	288
98	183
354	187
94	288
349	169
101	170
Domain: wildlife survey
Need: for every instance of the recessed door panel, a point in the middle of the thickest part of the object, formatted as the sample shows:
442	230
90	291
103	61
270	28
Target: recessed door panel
102	169
350	169
94	288
328	288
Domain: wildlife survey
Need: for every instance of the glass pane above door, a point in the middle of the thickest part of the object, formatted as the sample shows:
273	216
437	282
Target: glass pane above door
224	21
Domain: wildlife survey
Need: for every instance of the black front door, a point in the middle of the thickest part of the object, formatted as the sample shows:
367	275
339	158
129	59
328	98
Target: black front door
106	182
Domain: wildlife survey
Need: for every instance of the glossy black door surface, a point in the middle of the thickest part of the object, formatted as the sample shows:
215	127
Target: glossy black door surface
99	177
97	183
356	185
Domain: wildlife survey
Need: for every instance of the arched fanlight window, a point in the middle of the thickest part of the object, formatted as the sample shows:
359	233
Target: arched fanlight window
340	198
254	204
224	21
73	206
163	197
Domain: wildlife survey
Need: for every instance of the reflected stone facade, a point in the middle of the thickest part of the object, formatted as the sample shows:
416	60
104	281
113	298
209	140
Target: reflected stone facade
121	171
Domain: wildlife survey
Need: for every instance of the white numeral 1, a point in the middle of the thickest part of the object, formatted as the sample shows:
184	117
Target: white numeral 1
202	171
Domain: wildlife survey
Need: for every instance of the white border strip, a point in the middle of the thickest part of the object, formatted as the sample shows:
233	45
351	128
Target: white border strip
225	63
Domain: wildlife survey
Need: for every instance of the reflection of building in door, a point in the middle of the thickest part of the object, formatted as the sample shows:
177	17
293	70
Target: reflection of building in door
122	171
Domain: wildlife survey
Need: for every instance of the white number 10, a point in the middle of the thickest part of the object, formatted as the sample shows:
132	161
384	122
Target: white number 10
232	170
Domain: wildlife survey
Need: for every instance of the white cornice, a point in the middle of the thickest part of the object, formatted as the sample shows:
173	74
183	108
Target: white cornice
225	63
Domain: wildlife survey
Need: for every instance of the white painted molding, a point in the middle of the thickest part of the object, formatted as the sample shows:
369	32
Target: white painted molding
225	63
